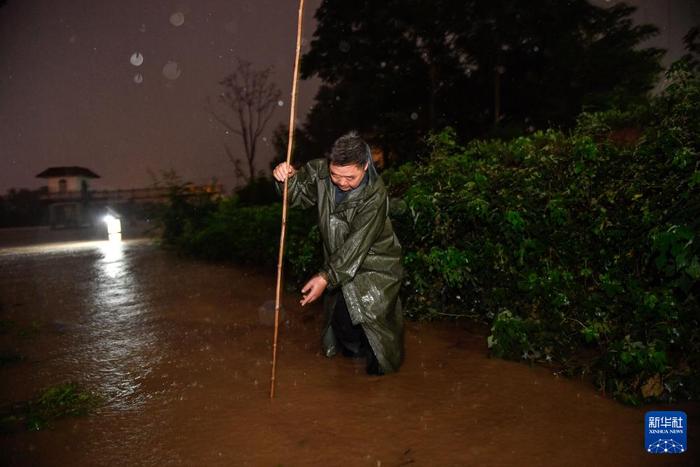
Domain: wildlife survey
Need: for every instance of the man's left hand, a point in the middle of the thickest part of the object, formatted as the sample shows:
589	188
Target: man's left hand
313	289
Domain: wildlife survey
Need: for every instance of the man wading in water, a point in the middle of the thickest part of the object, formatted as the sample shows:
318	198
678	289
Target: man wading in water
362	256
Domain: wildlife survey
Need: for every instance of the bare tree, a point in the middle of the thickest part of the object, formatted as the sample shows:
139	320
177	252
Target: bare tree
252	97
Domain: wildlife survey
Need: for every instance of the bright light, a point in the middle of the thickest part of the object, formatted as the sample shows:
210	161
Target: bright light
114	227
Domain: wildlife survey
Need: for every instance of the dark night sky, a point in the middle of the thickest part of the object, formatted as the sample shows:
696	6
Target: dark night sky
68	96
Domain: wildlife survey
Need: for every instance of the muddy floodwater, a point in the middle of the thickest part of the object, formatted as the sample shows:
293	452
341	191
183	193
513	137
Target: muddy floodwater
178	352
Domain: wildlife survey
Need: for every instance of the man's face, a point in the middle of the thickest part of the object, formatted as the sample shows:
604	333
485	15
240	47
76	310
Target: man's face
347	177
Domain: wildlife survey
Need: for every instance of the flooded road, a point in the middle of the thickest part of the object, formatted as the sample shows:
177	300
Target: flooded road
178	352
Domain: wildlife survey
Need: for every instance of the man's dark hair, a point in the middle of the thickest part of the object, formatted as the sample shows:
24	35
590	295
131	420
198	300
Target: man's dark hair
349	149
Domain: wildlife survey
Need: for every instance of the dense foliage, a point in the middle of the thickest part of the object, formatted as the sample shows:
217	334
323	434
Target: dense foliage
580	249
232	230
22	208
397	70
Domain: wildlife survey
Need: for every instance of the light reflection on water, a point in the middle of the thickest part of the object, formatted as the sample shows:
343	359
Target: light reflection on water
93	295
122	341
57	248
112	260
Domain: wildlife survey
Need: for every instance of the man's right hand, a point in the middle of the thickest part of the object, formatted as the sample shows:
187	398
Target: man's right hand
282	171
313	289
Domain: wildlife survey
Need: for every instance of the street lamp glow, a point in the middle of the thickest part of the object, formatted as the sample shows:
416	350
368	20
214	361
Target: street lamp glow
114	227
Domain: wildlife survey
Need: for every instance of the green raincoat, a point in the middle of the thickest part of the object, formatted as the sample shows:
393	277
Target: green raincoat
362	256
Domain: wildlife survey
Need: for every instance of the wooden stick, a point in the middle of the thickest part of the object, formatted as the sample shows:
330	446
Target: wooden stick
290	141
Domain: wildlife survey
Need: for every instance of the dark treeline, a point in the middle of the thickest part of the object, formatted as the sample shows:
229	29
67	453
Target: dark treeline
398	70
23	208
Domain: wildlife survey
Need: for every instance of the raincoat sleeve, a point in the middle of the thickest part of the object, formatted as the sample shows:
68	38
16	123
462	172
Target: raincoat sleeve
365	228
302	187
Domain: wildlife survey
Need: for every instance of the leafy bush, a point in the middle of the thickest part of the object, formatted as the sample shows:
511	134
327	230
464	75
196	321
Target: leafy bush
571	244
258	191
228	230
183	216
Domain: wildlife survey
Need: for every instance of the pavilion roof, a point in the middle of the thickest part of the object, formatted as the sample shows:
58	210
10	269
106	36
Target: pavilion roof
73	171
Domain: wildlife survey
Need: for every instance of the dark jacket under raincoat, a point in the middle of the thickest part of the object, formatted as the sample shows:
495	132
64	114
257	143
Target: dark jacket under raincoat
362	256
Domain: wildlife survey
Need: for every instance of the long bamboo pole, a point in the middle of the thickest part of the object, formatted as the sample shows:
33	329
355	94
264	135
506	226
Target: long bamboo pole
283	231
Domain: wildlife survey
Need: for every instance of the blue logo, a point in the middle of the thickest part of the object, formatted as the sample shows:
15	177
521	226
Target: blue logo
666	432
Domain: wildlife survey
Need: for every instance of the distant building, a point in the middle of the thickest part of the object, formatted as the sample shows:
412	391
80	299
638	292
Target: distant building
68	195
72	203
68	179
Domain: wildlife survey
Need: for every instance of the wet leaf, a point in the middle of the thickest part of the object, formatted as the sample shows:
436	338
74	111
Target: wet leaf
653	387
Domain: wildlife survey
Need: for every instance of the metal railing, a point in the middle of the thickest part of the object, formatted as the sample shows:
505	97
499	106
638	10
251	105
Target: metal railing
135	194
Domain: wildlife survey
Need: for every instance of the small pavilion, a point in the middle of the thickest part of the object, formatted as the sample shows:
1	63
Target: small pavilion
68	195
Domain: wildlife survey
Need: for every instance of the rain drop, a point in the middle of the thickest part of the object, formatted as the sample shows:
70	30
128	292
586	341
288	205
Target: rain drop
280	103
382	64
177	19
172	70
414	116
138	78
136	59
142	28
344	46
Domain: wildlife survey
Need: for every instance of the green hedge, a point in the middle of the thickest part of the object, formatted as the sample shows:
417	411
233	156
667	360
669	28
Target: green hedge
581	249
231	231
